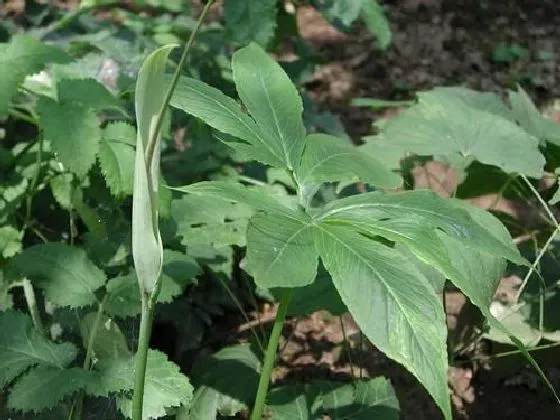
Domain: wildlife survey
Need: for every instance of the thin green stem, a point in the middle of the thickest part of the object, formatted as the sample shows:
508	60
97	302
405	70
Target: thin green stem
146	321
32	305
270	355
159	122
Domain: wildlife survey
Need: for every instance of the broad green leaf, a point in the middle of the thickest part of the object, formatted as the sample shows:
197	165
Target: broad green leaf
73	131
374	17
225	115
392	302
10	241
215	392
272	100
280	250
407	216
165	385
147	250
66	275
123	298
371	399
87	92
529	117
21	346
109	342
44	387
24	55
330	159
116	157
250	21
62	189
442	125
256	197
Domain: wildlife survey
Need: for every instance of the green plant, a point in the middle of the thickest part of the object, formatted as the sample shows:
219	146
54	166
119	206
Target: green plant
377	247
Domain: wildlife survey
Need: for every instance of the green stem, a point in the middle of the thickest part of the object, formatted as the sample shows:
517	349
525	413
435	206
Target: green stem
33	184
146	321
32	305
270	355
159	122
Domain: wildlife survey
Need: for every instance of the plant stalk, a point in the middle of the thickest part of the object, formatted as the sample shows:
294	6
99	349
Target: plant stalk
146	321
32	305
270	355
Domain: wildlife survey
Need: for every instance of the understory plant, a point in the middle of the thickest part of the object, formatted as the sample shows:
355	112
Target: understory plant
387	254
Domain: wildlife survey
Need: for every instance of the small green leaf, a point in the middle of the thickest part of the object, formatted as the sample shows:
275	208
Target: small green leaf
109	342
215	392
392	302
147	250
73	131
65	273
23	56
330	159
272	100
116	157
280	250
44	387
371	399
87	92
374	17
21	346
10	241
340	13
249	21
224	114
165	385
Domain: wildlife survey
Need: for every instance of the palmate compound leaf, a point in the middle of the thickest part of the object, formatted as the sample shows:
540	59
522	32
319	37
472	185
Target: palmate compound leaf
66	275
73	131
330	159
364	400
250	21
21	346
394	305
147	249
442	124
24	55
116	157
165	385
44	387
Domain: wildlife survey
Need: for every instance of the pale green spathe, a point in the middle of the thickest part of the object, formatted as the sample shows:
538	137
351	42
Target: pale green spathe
147	249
